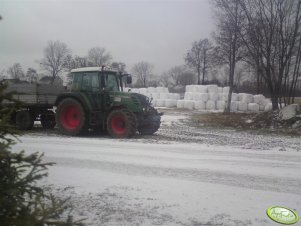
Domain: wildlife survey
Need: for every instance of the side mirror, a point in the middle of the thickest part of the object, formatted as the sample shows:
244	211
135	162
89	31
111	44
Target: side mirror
129	79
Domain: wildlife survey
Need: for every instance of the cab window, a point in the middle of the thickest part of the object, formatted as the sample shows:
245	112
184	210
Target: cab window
111	82
90	82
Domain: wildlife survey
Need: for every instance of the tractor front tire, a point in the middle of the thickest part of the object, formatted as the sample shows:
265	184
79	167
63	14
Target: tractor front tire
150	126
121	123
24	120
48	120
70	117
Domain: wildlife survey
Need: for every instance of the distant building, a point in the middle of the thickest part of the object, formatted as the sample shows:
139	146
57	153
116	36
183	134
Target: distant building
12	81
48	80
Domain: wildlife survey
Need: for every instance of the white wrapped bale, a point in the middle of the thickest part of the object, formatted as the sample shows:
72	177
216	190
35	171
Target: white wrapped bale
245	97
210	105
155	95
196	96
188	96
253	107
160	103
163	96
261	107
135	91
242	106
143	90
223	96
212	88
180	103
173	96
170	103
258	99
154	103
162	90
199	105
213	96
201	97
220	105
234	106
268	107
201	89
189	104
234	97
220	89
226	89
151	90
188	88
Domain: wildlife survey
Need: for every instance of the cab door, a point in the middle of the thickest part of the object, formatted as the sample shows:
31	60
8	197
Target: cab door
91	87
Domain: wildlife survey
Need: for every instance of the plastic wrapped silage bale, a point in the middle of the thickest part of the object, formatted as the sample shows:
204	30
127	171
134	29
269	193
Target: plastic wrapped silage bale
170	103
223	96
163	96
155	95
268	107
143	91
213	96
261	107
226	89
173	96
210	105
126	89
196	96
154	102
220	105
188	96
234	106
258	99
180	103
245	97
242	106
160	103
220	89
189	104
151	90
199	105
162	90
234	97
212	88
253	107
135	91
201	89
188	88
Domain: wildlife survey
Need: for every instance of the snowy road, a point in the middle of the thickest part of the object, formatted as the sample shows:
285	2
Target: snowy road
119	182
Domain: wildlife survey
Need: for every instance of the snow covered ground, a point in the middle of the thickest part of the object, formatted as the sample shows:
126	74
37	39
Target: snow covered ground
181	176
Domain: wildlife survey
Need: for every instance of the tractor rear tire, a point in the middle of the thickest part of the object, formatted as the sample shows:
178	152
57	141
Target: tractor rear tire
24	120
70	117
48	120
151	125
121	123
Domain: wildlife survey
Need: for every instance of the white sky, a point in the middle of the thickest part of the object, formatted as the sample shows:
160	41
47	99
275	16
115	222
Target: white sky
157	31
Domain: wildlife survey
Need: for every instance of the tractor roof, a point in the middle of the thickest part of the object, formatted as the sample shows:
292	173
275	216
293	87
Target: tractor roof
85	69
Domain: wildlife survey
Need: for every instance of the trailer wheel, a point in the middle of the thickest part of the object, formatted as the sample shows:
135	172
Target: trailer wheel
48	120
70	117
24	120
121	123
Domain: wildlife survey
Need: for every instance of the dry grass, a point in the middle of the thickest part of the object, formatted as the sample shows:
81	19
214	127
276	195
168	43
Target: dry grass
298	101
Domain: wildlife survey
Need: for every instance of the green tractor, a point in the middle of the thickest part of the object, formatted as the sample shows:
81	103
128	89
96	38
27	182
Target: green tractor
97	101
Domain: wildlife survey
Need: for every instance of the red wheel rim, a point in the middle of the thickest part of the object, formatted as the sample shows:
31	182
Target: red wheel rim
118	124
70	117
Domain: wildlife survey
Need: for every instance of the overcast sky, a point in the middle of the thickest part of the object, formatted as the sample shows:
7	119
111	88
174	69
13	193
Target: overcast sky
156	31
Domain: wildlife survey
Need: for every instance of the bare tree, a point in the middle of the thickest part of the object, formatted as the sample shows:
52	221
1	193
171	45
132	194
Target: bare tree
98	57
143	72
119	66
229	17
16	71
200	58
271	34
55	58
31	75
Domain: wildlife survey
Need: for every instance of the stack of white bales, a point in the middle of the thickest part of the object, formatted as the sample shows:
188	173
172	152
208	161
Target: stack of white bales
212	97
160	96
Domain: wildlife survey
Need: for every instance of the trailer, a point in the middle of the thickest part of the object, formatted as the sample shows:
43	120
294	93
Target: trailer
37	102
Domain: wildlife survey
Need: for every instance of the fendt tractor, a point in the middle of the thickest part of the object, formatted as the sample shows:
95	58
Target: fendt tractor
96	100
